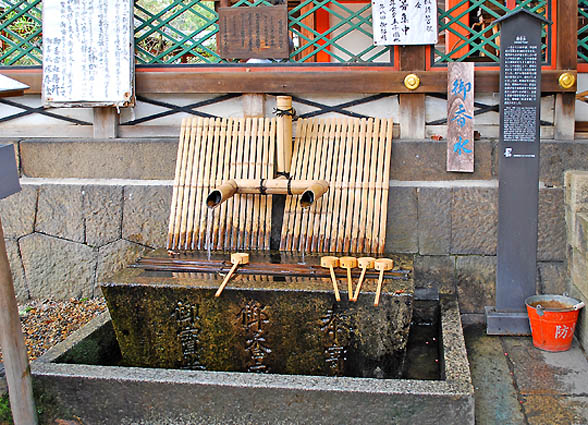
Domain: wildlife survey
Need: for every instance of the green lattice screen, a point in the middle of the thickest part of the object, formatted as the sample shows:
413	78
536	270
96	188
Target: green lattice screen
347	22
20	32
479	40
184	31
177	31
582	30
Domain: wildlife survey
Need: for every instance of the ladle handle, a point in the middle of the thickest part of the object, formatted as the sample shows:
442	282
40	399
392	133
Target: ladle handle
349	284
335	287
226	280
359	283
379	289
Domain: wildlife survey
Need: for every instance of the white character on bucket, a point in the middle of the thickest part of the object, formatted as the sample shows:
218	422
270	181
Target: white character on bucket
561	331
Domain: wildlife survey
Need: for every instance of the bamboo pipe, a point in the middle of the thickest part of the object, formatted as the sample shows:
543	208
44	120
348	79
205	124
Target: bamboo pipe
328	263
364	263
237	259
348	263
310	190
381	264
284	133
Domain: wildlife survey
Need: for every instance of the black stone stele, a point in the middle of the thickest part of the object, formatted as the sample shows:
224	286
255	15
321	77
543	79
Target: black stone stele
8	172
518	192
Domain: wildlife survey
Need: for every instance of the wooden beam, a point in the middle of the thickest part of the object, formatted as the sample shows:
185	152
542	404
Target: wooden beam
412	58
310	80
412	116
566	58
253	105
412	106
564	119
106	122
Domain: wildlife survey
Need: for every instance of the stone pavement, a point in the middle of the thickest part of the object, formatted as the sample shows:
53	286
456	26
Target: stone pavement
516	383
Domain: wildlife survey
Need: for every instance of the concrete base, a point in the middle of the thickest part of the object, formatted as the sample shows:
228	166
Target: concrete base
506	323
125	395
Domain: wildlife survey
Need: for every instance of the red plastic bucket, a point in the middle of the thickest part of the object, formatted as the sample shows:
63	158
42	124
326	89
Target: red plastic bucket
553	320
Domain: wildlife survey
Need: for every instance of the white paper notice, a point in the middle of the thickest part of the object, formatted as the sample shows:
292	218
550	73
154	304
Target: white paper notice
404	22
88	57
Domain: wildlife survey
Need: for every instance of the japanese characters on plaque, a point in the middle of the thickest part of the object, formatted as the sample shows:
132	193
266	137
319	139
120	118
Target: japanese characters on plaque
520	104
460	116
404	22
88	53
259	32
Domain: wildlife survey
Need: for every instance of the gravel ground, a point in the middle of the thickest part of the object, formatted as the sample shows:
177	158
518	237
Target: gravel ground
46	323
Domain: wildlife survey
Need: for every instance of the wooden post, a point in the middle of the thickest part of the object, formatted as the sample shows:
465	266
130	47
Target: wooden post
284	131
253	105
567	58
412	106
106	122
18	373
16	364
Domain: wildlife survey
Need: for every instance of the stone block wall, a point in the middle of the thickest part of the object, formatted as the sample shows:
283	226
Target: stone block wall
90	206
452	230
576	213
63	237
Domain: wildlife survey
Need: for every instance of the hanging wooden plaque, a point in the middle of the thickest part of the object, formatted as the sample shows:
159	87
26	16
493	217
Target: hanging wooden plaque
253	32
460	117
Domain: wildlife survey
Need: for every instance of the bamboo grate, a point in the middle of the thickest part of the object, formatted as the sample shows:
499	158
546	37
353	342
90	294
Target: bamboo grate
211	151
354	156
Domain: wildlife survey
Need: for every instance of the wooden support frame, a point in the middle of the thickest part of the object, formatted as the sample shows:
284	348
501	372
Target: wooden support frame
253	105
566	59
277	79
412	106
105	125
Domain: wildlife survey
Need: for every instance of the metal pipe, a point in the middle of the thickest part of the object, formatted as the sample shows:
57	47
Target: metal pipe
310	190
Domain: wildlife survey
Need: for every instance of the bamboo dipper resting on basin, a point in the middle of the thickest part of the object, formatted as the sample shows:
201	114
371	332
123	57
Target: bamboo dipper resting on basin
348	263
328	263
381	264
364	263
237	259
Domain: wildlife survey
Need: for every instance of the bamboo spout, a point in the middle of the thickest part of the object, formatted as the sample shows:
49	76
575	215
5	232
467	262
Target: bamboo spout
316	189
310	190
221	193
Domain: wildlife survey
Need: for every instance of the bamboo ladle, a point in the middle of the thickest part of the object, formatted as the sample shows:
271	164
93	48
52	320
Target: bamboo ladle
348	263
237	259
381	264
329	263
364	263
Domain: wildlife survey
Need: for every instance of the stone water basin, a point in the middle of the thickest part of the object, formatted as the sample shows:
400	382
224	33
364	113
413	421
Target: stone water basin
86	377
276	323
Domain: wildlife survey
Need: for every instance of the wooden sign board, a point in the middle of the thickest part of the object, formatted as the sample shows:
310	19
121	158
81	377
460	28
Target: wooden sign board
253	32
404	22
460	117
8	172
88	53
